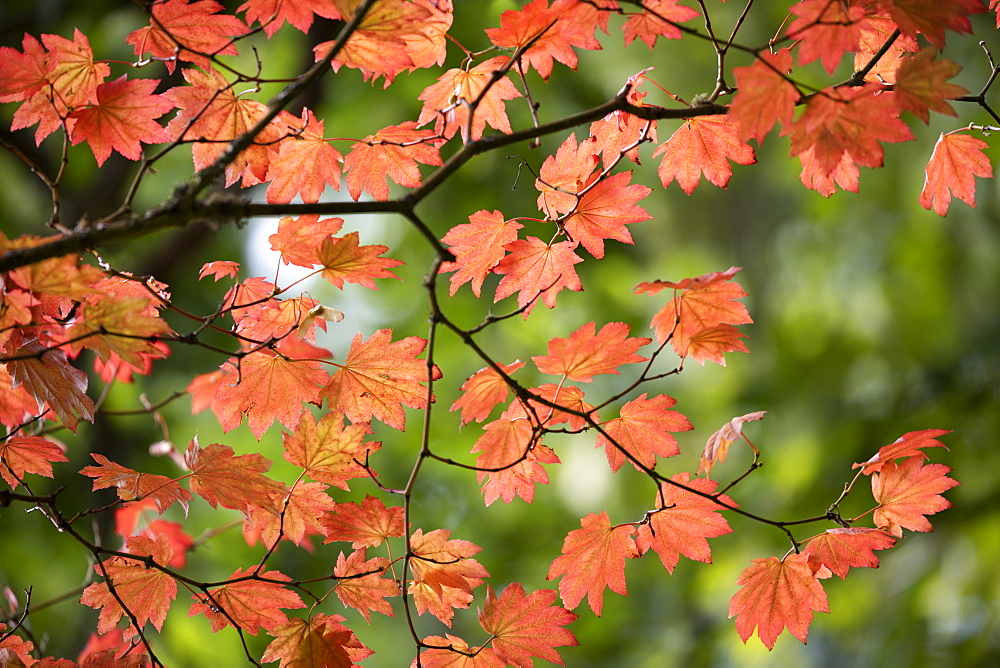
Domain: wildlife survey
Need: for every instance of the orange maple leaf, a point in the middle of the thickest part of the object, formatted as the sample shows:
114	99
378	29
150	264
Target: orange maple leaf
593	559
365	524
951	171
875	32
272	14
191	31
231	481
921	84
444	574
907	492
843	548
28	454
327	450
513	459
620	133
826	30
657	19
454	652
50	379
248	602
564	174
932	18
448	102
343	260
132	485
909	444
482	391
121	325
298	239
523	626
683	521
534	268
764	96
378	378
777	594
301	512
703	145
603	211
478	247
643	430
585	354
361	584
321	640
304	163
845	174
392	152
22	74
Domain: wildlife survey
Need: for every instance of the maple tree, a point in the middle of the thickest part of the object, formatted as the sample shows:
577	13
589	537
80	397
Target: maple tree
341	414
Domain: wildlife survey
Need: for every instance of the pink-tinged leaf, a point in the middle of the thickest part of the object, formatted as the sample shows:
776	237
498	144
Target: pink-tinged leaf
717	446
956	160
703	145
907	445
656	19
844	548
764	96
826	30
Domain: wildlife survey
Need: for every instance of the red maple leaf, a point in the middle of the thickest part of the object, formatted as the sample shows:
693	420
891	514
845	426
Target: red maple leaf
247	601
523	626
392	152
343	260
534	268
365	524
643	430
854	120
448	102
378	378
145	591
231	481
301	512
454	652
444	575
593	559
585	354
703	145
717	446
219	269
514	458
327	450
683	521
875	33
133	485
116	324
932	18
564	174
28	454
361	584
620	133
826	30
604	210
764	96
298	239
844	548
22	74
566	396
657	19
777	594
845	174
272	14
907	445
303	163
122	119
191	31
907	492
50	379
951	171
922	84
321	640
482	391
478	247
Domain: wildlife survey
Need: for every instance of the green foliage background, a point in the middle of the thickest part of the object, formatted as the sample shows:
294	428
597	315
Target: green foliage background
872	317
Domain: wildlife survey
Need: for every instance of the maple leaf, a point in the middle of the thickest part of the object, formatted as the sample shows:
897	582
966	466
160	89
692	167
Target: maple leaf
297	239
50	379
514	459
683	522
392	152
16	404
643	430
956	160
851	120
120	325
361	585
717	446
449	102
921	84
272	14
344	260
593	559
564	174
367	524
826	30
122	119
378	378
191	31
907	492
932	18
620	133
22	74
304	164
534	268
482	391
703	145
327	450
763	96
907	445
567	396
585	354
231	481
845	174
28	454
301	510
478	247
777	594
843	548
544	28
657	19
269	387
219	269
604	210
132	485
145	591
875	32
321	640
250	603
444	574
454	652
526	625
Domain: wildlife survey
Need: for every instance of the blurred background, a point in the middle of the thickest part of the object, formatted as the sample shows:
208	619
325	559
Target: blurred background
872	318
